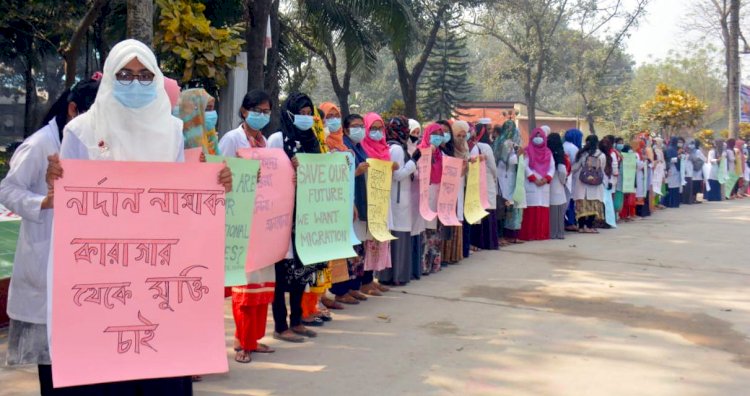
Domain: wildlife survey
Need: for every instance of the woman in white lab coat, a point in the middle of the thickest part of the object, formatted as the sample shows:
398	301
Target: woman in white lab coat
130	123
484	235
24	191
589	189
540	169
397	135
558	199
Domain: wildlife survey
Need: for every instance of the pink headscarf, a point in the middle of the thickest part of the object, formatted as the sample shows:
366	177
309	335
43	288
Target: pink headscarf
375	149
436	174
173	90
539	156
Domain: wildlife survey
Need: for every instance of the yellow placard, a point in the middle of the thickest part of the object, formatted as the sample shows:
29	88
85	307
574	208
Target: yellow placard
473	210
379	177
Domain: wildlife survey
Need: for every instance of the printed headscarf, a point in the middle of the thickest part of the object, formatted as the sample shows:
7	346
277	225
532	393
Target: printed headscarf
502	147
461	146
335	139
191	109
375	149
296	140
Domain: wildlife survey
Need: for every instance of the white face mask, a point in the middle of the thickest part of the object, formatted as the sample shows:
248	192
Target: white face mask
538	140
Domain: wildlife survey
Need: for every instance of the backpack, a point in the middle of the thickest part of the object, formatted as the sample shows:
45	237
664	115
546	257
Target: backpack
591	173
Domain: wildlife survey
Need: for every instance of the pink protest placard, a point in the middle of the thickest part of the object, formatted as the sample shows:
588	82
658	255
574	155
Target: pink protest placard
138	272
448	195
424	166
483	197
274	203
193	154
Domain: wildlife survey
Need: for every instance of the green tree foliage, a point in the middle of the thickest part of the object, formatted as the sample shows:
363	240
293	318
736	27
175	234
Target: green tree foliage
189	45
446	78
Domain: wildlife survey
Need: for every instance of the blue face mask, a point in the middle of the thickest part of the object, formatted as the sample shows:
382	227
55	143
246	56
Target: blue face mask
333	124
257	121
303	122
436	140
537	140
376	135
446	137
134	95
210	119
356	134
619	146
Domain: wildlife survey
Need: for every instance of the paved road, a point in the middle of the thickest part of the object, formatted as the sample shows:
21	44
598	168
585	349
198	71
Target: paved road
657	307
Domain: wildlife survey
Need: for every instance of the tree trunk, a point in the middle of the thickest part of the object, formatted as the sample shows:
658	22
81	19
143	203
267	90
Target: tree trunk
255	36
408	79
272	76
29	116
140	21
733	84
72	49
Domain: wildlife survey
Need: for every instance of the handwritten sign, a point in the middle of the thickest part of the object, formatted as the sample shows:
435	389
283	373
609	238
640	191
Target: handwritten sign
324	208
448	194
137	272
352	169
473	210
271	230
379	178
424	167
519	194
483	194
723	175
193	154
629	164
239	208
732	179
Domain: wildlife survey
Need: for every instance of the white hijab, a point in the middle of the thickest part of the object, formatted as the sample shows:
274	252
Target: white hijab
111	131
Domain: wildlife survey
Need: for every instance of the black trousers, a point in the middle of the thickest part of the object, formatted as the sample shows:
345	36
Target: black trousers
179	386
587	221
279	304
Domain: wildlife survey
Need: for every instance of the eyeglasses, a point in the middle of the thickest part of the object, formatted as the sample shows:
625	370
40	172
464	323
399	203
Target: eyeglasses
261	111
125	77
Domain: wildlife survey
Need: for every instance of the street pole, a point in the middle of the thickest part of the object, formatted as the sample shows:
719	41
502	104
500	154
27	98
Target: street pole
733	85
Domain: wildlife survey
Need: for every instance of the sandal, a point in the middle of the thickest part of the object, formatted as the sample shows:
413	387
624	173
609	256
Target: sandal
306	332
288	337
263	348
241	356
347	299
371	290
382	288
356	294
331	304
517	242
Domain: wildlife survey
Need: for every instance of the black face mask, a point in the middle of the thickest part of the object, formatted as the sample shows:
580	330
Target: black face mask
413	138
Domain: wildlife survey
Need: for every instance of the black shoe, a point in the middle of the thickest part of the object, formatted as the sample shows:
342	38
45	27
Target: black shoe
317	322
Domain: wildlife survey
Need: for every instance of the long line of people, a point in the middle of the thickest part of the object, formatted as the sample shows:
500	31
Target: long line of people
536	191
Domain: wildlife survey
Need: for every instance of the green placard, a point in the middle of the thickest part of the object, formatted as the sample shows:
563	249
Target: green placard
324	208
629	167
239	206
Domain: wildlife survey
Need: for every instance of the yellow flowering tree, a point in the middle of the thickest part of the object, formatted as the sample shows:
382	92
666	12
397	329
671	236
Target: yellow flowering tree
672	109
188	44
744	131
705	136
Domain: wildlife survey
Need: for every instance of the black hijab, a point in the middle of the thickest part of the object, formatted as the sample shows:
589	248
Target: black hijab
296	140
554	143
